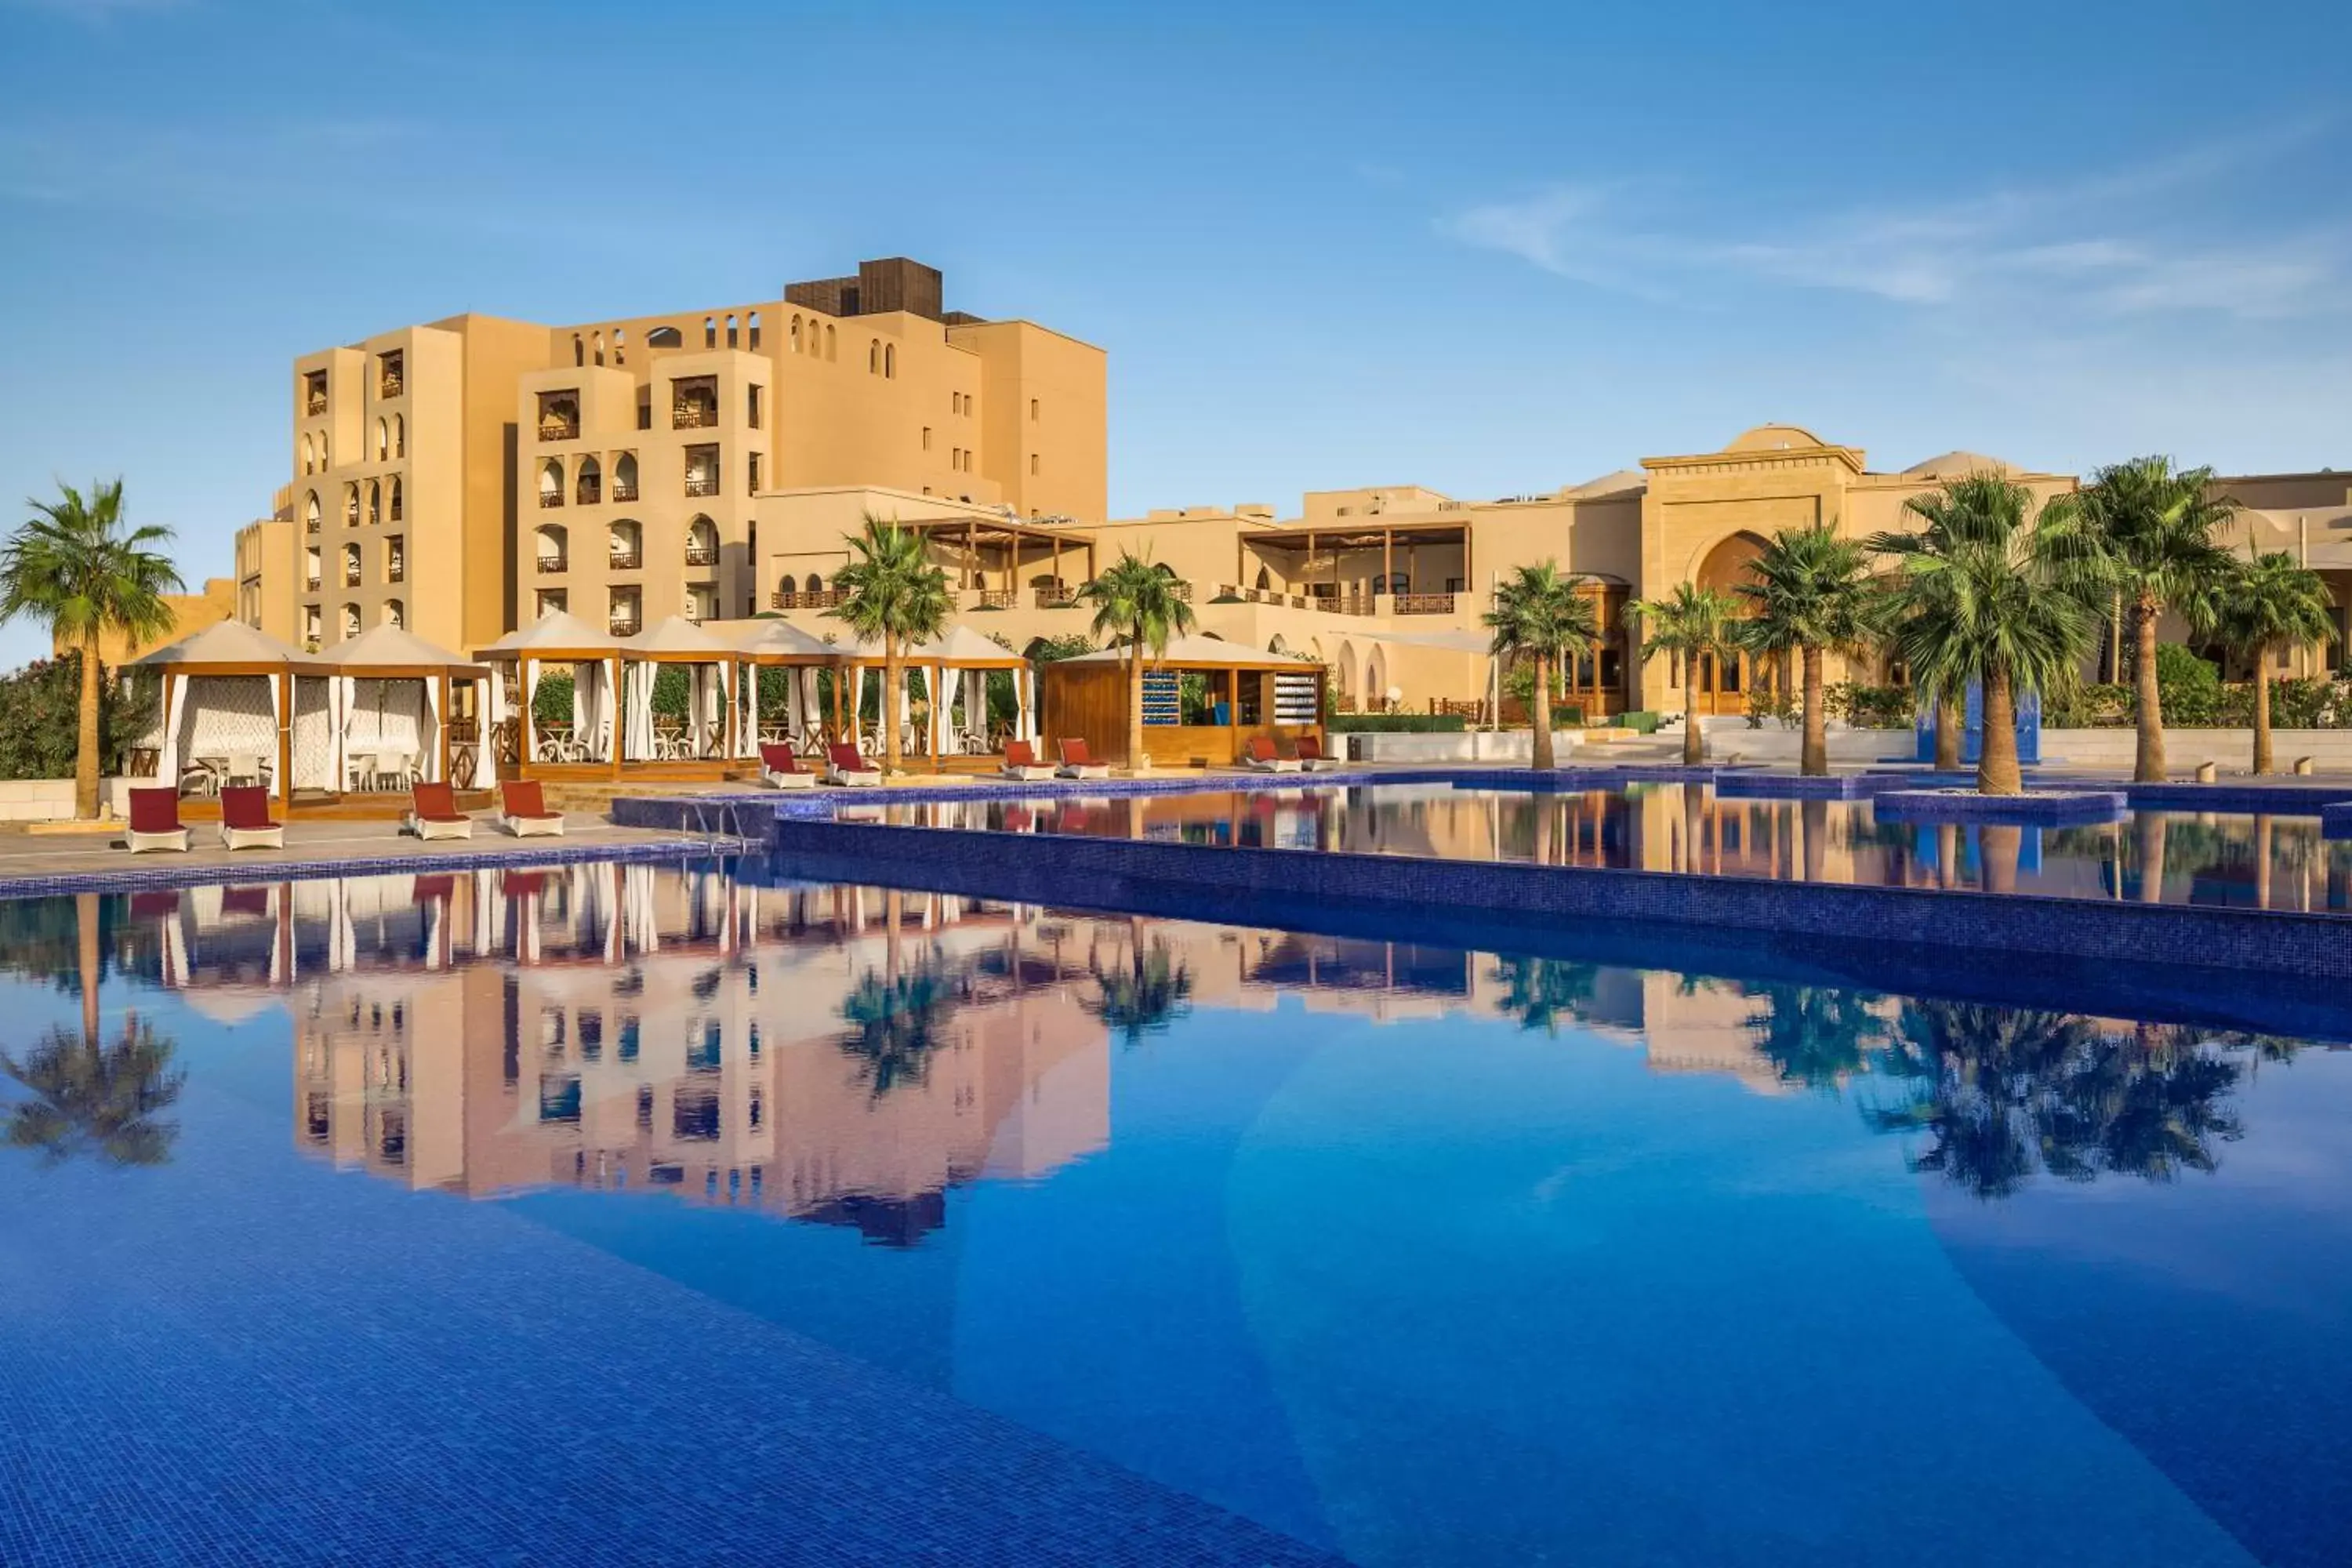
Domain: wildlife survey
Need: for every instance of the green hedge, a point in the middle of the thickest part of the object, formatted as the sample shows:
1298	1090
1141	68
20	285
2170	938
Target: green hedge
1641	721
1396	723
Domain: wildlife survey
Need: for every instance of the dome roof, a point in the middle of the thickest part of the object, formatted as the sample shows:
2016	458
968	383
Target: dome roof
1958	465
1618	483
1774	438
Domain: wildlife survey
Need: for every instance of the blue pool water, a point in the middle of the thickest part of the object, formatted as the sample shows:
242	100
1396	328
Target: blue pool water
633	1214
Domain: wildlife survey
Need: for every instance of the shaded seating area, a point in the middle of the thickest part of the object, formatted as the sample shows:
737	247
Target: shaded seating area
224	712
395	711
707	732
580	745
779	676
1206	702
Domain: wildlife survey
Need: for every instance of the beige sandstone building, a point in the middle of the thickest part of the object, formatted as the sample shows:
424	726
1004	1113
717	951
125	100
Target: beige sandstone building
462	478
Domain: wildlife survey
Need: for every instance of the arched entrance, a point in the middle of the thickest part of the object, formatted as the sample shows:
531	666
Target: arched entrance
1723	684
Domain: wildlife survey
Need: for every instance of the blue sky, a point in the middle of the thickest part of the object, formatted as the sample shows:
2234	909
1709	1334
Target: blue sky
1491	250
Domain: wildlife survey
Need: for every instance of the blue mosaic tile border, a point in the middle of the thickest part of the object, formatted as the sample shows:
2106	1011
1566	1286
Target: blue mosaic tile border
256	869
1797	786
2040	808
1105	873
2272	800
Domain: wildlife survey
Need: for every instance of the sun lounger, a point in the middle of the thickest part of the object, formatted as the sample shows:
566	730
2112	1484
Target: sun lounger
1258	756
245	822
1311	757
433	813
523	810
780	769
1021	763
1078	762
155	821
849	766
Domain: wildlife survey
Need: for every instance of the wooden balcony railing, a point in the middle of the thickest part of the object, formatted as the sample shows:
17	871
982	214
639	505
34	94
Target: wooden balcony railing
624	489
626	560
315	407
703	555
621	626
702	484
390	386
1422	604
550	498
396	573
351	578
821	599
586	494
549	565
694	416
559	429
1056	598
996	598
310	525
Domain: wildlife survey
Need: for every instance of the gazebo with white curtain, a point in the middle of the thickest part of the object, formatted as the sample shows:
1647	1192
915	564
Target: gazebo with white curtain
226	712
763	645
394	708
956	666
592	745
709	732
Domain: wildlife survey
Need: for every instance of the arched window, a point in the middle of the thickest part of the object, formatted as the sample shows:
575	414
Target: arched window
793	332
383	439
351	622
1265	579
552	547
701	542
350	506
732	341
624	544
754	327
832	347
625	477
665	337
395	498
550	483
889	362
600	348
351	565
325	446
709	333
400	434
873	356
311	512
579	352
787	584
588	485
376	503
307	452
816	583
620	346
395	614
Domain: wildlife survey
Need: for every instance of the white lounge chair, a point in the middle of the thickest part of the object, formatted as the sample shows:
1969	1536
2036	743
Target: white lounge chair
849	766
522	811
1078	762
155	821
433	813
245	822
780	769
1021	763
1258	756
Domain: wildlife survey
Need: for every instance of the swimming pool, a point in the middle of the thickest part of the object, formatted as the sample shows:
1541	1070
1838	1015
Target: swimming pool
631	1213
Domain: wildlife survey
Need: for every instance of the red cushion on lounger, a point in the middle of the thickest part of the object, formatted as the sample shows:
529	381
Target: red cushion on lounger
429	889
155	810
246	807
1018	755
778	759
1260	749
435	803
1310	749
525	798
849	760
1075	754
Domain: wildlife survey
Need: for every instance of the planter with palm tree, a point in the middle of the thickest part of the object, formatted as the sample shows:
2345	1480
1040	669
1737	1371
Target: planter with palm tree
893	593
2148	538
1546	617
1982	594
1809	592
77	565
1139	604
1691	625
2259	610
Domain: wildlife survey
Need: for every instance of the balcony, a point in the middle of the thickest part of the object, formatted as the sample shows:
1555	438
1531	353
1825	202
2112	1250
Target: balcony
550	564
694	416
1422	604
624	489
703	555
310	581
1058	598
351	577
996	599
315	404
559	429
397	571
702	484
587	492
551	499
390	385
622	623
822	599
310	525
626	560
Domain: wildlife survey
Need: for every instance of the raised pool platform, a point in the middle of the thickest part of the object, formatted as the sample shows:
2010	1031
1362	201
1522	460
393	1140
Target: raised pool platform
2041	808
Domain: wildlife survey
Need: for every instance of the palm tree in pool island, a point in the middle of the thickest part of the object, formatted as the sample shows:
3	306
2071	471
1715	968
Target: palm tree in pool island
1809	592
2263	607
78	567
1984	594
1690	623
2148	535
1137	602
893	593
1543	615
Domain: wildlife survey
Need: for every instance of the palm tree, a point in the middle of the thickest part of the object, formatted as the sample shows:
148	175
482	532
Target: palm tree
1692	624
94	1099
894	592
75	565
1138	602
2260	609
1808	590
1143	995
896	1022
1983	594
1544	617
1539	991
2149	535
1812	1034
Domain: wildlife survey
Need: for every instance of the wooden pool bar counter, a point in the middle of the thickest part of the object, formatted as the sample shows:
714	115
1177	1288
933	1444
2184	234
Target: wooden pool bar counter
1245	693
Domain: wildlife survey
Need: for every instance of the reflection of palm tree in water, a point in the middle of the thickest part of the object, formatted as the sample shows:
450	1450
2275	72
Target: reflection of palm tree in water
1143	995
97	1100
896	1022
2001	1093
1813	1035
1538	992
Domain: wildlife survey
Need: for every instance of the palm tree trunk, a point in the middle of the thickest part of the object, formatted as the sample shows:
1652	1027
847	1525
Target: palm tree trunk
1542	748
86	752
1693	744
1814	816
892	675
1997	763
1135	703
2264	844
1817	739
1999	842
2147	766
2262	710
1949	723
86	931
2149	830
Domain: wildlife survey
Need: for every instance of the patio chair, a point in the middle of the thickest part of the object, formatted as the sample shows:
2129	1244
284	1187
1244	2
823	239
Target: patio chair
1311	755
245	822
1078	762
1258	756
780	769
155	821
1021	763
847	765
522	811
433	813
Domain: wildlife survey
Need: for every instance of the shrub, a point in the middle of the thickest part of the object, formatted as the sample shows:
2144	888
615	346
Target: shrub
40	717
1396	724
1864	707
1763	705
1641	721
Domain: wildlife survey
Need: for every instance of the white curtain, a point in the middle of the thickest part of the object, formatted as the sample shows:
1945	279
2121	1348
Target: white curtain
706	707
524	738
278	721
167	763
488	913
428	737
637	715
593	711
802	702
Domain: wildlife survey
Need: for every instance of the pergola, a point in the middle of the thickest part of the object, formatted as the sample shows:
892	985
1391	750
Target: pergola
558	637
1250	694
227	710
711	699
779	645
1308	542
362	674
960	663
1015	542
